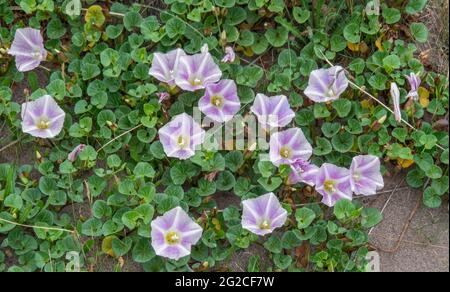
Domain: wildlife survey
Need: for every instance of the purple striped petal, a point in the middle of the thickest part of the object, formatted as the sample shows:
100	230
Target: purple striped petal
230	55
366	178
181	136
174	233
196	72
395	94
165	66
28	48
221	101
414	83
272	111
263	215
303	172
326	84
75	152
288	147
333	183
42	118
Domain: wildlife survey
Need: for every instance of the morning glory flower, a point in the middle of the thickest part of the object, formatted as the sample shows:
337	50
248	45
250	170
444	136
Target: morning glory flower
174	233
75	152
230	55
395	94
197	71
288	147
28	48
326	84
303	171
263	215
333	183
272	111
366	178
221	101
181	136
165	66
414	83
42	118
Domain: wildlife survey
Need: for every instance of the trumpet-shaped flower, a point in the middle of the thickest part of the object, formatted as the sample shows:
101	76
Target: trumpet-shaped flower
414	83
263	215
326	84
288	147
174	234
75	152
197	71
28	48
220	101
395	94
303	171
42	118
333	183
366	178
272	111
165	66
181	136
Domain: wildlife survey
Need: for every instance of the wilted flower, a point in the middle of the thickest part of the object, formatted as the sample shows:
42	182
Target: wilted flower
230	55
333	183
263	214
366	178
204	49
272	111
197	71
395	94
303	171
42	118
28	48
288	147
414	82
75	152
174	233
220	101
181	136
326	84
162	96
165	66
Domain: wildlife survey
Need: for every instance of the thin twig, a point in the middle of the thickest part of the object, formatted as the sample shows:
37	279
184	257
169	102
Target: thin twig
9	145
37	227
118	137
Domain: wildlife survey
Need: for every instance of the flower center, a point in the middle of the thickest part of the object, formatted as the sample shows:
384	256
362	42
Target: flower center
217	101
172	238
182	141
285	152
356	176
43	124
265	225
196	81
36	54
329	186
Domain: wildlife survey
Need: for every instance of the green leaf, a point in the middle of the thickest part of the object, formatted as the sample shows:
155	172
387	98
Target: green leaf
304	217
142	251
175	27
225	181
323	147
391	15
144	169
352	33
273	244
419	31
55	29
415	6
371	217
270	184
431	199
234	160
14	201
277	37
342	107
301	15
343	142
131	20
